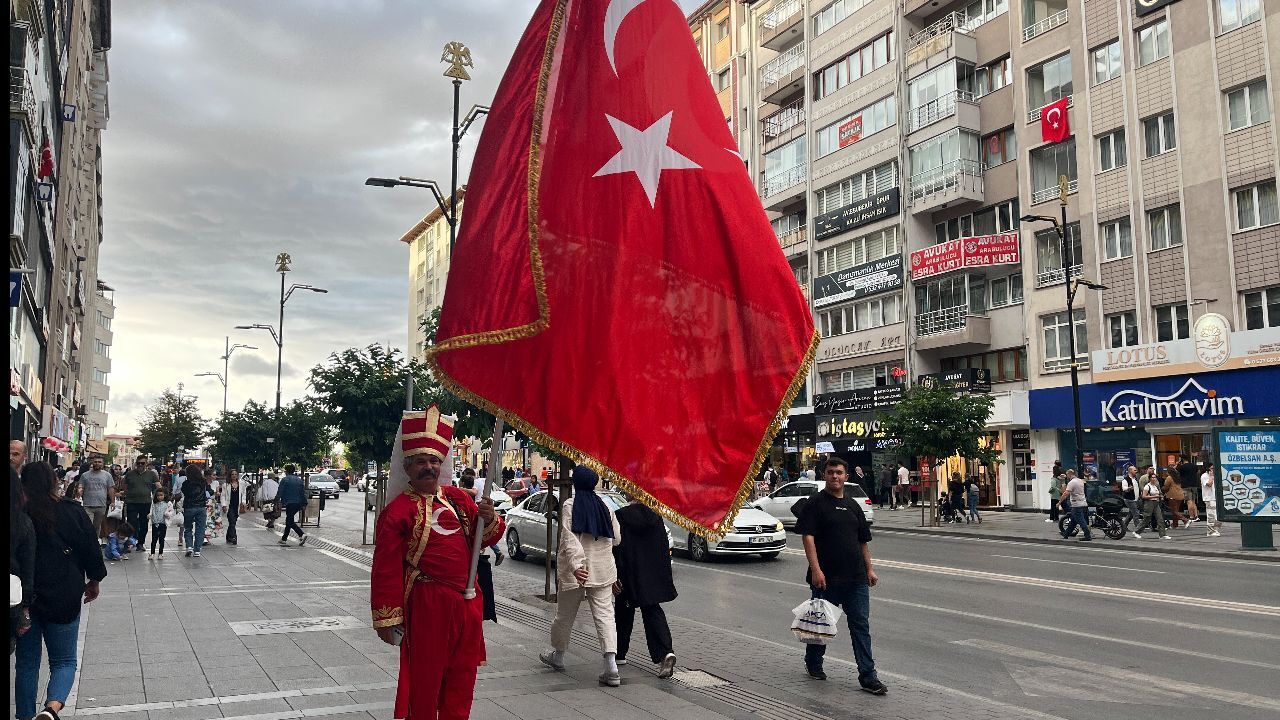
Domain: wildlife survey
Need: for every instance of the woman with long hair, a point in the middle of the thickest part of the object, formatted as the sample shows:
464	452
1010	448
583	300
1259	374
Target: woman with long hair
22	559
69	567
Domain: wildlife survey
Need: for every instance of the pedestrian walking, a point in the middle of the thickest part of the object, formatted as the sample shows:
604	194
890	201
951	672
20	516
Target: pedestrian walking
1152	512
771	478
1210	496
1074	492
68	570
836	537
139	485
270	503
293	495
1055	494
904	486
1130	489
955	496
586	570
886	487
17	455
195	498
232	504
1189	479
644	582
973	501
1173	497
99	494
420	565
159	516
22	557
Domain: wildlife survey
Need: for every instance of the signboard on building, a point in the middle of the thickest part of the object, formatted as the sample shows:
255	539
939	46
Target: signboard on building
15	289
850	131
859	281
864	212
961	380
854	401
1211	347
1248	473
977	251
1146	7
865	342
854	433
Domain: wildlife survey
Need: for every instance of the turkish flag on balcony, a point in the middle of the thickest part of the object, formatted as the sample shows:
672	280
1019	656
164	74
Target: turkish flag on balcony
1053	121
45	168
617	292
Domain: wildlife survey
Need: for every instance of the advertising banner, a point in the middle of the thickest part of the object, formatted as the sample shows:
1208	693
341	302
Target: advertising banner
850	401
1248	473
1146	7
854	433
962	380
850	131
937	259
859	281
1211	347
868	210
977	251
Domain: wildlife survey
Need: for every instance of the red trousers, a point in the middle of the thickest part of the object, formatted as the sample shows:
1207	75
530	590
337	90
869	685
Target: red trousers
442	647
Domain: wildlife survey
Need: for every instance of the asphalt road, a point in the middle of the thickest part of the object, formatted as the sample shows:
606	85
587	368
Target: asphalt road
1072	630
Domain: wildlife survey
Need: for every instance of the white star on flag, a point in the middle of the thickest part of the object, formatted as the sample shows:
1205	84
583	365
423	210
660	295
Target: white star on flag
645	153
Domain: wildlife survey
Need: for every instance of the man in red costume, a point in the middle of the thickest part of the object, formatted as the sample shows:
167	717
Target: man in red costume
420	567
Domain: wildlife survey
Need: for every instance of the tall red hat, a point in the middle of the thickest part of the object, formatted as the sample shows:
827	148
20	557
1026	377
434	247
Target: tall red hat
427	432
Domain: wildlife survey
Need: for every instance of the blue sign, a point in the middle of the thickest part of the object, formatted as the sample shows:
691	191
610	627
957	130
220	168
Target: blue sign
1249	472
1228	395
15	289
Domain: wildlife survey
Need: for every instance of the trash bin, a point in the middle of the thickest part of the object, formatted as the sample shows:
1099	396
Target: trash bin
311	513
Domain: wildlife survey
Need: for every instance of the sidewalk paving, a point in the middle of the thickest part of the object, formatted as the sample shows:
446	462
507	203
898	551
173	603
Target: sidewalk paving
1031	527
260	632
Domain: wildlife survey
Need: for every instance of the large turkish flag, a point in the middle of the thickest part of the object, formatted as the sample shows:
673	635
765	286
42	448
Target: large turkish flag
617	292
1053	121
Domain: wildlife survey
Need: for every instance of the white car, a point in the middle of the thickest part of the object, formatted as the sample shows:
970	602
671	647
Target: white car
779	502
754	532
501	501
323	485
527	522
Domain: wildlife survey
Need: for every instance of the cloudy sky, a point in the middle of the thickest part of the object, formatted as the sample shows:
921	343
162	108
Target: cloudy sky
240	129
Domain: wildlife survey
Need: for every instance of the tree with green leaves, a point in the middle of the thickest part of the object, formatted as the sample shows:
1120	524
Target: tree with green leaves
938	422
170	423
301	434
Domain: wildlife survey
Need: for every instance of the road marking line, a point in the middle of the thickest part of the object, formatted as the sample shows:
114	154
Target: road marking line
1211	628
348	561
248	585
283	588
1148	679
1089	565
935	536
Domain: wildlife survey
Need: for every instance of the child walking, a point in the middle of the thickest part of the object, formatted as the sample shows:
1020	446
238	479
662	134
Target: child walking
161	512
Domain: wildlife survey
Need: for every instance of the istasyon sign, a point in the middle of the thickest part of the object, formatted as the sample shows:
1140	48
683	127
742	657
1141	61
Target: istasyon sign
1249	472
977	251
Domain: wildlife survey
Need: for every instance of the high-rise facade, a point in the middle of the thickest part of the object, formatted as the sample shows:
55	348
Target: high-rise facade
428	242
897	144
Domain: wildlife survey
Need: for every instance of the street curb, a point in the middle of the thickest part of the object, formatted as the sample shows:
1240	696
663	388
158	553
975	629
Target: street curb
1263	556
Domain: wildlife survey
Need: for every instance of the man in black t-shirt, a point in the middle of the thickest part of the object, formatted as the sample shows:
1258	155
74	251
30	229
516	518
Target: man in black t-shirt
836	534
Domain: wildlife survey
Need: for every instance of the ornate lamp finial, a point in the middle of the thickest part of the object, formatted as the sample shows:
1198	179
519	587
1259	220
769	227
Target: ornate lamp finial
459	58
282	262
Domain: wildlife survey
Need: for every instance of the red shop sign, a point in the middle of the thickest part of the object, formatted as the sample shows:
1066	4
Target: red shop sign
979	251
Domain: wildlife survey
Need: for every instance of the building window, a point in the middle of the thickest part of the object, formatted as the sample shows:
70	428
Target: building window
857	188
1057	344
859	378
855	126
942	156
1001	147
1153	43
1164	225
1160	134
1117	239
102	349
1049	260
831	15
99	376
787	224
1005	365
993	77
860	316
1048	81
99	405
999	218
1051	161
1106	62
1262	309
852	67
784	167
1235	13
1248	105
723	79
722	29
1123	329
1171	323
860	250
1256	205
1112	152
1006	290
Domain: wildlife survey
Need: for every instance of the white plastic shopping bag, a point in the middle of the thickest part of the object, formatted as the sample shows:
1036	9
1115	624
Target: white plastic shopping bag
815	622
117	510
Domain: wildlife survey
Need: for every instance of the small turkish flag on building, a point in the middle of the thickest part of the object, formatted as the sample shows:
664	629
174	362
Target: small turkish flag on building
1053	121
45	169
617	292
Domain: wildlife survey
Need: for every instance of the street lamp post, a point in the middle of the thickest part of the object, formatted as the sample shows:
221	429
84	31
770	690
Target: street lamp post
1072	286
277	332
225	376
222	379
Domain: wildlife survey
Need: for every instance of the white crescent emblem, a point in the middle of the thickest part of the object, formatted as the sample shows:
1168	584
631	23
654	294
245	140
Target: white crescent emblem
613	17
1049	115
435	522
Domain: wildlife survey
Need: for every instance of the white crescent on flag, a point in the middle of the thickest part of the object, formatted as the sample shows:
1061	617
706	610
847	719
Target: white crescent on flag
1053	116
617	12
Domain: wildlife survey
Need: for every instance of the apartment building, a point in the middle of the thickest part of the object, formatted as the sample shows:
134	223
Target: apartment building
901	141
428	242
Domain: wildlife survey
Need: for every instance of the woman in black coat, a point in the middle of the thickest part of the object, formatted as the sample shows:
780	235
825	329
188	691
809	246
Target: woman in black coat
644	581
22	559
69	567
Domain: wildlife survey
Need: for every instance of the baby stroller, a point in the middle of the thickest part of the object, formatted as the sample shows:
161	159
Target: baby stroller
948	513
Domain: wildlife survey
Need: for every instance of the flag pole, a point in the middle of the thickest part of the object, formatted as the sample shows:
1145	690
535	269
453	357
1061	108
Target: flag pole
495	471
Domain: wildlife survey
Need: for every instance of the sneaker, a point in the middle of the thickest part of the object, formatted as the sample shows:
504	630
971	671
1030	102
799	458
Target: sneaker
621	662
498	558
197	553
612	679
816	672
1136	536
548	658
1166	537
668	666
875	687
302	541
47	714
1215	533
1048	519
189	551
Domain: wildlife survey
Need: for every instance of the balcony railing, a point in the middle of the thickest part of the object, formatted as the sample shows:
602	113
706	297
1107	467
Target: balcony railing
1034	115
937	109
781	66
1045	25
949	23
21	99
779	15
1062	364
947	177
1055	276
792	238
1049	193
778	182
783	120
936	322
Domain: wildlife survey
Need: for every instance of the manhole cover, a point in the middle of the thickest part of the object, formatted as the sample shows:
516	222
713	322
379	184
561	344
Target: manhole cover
699	679
308	624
